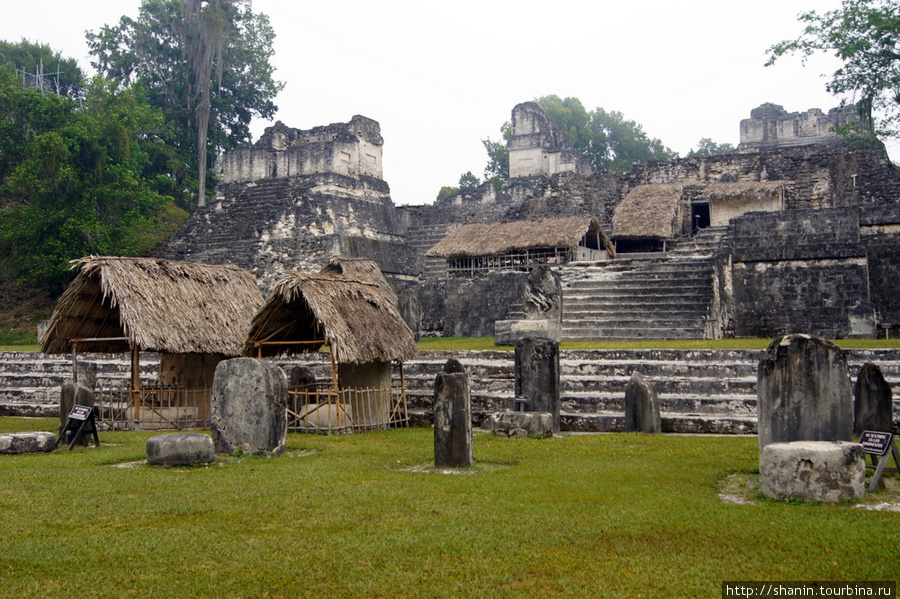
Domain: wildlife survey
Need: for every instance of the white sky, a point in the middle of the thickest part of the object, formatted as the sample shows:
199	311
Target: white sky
440	77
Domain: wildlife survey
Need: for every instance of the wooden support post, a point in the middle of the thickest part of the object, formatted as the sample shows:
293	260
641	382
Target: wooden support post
136	381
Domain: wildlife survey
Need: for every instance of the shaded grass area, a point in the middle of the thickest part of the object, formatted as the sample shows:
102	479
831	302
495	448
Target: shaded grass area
621	515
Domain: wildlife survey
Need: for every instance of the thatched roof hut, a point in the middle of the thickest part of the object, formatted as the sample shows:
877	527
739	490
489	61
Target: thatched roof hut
648	212
495	239
120	304
364	269
357	318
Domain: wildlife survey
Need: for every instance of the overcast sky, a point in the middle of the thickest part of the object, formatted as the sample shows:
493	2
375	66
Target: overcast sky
440	77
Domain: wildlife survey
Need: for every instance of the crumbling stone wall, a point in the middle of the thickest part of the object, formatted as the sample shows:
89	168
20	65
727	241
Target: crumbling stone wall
352	149
880	231
771	126
538	147
272	226
801	272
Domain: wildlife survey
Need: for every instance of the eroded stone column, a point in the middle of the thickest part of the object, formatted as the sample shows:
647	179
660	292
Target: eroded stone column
641	406
873	406
804	392
248	407
537	376
452	418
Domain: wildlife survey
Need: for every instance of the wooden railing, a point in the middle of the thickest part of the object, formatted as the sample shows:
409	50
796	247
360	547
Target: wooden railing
323	409
154	408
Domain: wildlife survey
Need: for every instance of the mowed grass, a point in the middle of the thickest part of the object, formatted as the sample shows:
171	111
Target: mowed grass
623	515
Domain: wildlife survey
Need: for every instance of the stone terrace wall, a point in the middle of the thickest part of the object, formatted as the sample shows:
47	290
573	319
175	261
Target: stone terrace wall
274	225
799	272
880	230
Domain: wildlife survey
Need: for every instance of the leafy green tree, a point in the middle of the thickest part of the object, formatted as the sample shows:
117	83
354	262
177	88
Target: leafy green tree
63	75
445	192
865	36
173	49
707	147
607	140
497	167
468	180
76	178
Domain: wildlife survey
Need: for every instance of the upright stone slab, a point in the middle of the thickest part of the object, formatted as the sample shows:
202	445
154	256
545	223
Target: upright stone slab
248	407
804	392
873	406
73	394
452	419
641	406
537	375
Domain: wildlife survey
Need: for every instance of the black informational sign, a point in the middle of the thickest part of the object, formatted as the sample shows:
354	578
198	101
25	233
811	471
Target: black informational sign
80	412
80	420
875	443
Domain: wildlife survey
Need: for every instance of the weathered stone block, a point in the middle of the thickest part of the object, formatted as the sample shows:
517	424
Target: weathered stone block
813	471
452	420
32	442
537	375
180	449
804	392
641	406
873	401
248	407
520	424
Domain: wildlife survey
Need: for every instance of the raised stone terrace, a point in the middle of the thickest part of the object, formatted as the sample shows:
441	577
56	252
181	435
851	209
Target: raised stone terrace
700	391
663	295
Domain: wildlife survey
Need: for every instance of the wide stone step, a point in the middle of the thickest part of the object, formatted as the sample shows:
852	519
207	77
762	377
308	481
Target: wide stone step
710	386
676	403
632	334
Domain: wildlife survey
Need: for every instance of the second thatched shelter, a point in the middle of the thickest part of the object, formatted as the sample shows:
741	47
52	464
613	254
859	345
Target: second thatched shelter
523	244
357	319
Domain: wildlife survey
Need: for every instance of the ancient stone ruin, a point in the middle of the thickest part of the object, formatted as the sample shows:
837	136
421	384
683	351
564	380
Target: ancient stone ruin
795	232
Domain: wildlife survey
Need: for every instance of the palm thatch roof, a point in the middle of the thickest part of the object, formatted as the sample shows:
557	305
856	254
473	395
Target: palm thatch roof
741	192
364	269
155	305
495	239
648	212
355	317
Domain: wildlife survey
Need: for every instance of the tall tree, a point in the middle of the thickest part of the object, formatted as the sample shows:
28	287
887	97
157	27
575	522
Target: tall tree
865	36
173	49
607	140
76	178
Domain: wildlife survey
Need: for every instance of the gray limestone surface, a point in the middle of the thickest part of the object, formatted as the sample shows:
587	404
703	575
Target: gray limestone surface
248	407
180	449
804	392
813	470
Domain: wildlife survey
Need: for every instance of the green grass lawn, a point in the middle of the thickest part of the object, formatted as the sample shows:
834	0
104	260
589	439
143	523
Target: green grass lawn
623	515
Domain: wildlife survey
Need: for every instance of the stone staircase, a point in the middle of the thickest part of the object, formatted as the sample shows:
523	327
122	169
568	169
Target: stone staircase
30	381
700	391
664	295
422	239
